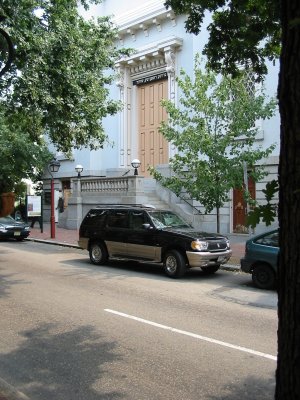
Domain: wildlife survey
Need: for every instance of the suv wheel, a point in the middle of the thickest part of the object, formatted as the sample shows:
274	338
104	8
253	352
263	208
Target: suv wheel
174	264
263	276
98	253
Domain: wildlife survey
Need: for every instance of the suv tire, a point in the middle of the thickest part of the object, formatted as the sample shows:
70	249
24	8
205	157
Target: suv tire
263	276
174	264
98	253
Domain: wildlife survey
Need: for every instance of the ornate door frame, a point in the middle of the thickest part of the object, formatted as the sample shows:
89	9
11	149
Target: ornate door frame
159	57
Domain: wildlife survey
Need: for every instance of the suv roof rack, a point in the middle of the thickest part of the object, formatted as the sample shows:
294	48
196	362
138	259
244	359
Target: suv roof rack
126	205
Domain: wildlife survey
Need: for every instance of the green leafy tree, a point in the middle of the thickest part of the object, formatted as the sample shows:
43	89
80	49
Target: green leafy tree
63	66
243	32
20	157
279	26
267	212
214	131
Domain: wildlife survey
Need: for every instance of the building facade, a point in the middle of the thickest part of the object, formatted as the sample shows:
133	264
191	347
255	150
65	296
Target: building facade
161	48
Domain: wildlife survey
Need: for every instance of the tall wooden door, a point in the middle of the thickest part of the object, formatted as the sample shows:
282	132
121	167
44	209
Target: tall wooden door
240	207
153	147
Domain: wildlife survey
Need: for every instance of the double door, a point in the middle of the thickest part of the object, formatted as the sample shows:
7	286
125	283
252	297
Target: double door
153	147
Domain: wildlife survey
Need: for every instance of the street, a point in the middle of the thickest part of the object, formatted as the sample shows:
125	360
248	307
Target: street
72	330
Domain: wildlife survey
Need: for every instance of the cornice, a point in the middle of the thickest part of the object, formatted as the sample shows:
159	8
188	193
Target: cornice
141	18
153	50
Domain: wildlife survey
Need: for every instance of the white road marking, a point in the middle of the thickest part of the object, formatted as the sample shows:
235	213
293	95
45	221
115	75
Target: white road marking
194	335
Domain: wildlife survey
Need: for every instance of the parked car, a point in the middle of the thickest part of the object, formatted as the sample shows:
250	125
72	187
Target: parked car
144	233
260	260
12	229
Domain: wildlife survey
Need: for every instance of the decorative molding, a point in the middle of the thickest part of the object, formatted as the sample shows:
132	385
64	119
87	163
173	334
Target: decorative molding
132	33
152	13
156	21
155	54
170	59
144	27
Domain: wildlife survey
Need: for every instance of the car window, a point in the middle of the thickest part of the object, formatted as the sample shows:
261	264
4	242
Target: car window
117	219
6	220
137	219
269	240
167	219
96	217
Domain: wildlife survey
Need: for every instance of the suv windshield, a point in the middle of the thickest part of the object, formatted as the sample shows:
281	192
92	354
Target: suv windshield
167	219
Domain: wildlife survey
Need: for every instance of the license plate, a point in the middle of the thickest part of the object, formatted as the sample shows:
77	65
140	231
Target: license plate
17	233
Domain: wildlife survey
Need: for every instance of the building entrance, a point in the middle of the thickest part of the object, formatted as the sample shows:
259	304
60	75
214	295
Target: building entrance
153	147
240	207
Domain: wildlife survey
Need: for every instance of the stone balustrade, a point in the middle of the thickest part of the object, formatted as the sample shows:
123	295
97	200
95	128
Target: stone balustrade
119	184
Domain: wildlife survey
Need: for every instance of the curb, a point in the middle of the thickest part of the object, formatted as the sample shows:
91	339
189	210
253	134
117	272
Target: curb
75	246
8	392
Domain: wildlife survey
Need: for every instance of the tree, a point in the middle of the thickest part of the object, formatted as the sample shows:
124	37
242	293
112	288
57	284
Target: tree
214	131
63	64
20	157
280	25
246	32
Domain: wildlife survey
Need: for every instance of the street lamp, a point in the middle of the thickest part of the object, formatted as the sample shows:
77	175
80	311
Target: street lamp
78	169
135	164
53	167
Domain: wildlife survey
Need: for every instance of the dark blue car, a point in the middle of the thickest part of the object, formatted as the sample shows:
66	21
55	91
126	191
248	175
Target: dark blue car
260	260
12	229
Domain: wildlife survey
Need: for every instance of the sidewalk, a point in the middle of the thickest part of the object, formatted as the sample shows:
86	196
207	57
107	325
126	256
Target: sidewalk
65	237
68	237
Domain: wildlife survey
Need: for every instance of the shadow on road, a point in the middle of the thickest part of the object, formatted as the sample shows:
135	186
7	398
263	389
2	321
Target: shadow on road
60	365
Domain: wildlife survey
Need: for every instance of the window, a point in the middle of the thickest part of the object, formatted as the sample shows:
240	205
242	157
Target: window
96	218
118	219
269	240
137	220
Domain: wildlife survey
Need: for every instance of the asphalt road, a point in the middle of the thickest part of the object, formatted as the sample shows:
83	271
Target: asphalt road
71	330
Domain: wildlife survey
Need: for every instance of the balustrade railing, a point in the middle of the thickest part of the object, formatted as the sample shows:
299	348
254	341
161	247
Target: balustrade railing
118	184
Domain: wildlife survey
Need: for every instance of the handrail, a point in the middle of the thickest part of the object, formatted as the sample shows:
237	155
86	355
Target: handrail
189	201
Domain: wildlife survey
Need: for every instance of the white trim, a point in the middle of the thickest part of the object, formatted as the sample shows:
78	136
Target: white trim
153	50
151	13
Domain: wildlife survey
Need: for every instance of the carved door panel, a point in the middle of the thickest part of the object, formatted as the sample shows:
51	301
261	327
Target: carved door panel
240	207
153	147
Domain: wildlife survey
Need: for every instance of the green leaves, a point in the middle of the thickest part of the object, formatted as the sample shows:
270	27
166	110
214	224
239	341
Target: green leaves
266	213
63	67
214	131
242	33
20	157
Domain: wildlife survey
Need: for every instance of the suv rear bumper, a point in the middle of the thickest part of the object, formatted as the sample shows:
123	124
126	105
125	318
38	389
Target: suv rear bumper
202	259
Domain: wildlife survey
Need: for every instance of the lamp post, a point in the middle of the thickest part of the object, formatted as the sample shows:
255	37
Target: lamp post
79	169
53	167
135	164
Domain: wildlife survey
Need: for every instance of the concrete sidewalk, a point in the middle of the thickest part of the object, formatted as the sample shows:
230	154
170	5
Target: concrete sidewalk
68	237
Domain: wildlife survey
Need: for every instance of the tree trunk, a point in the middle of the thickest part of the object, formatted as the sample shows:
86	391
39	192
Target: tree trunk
288	366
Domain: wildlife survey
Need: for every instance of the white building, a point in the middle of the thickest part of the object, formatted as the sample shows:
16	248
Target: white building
162	48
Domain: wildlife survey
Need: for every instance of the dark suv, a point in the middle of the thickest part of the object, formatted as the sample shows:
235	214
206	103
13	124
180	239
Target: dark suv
144	233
